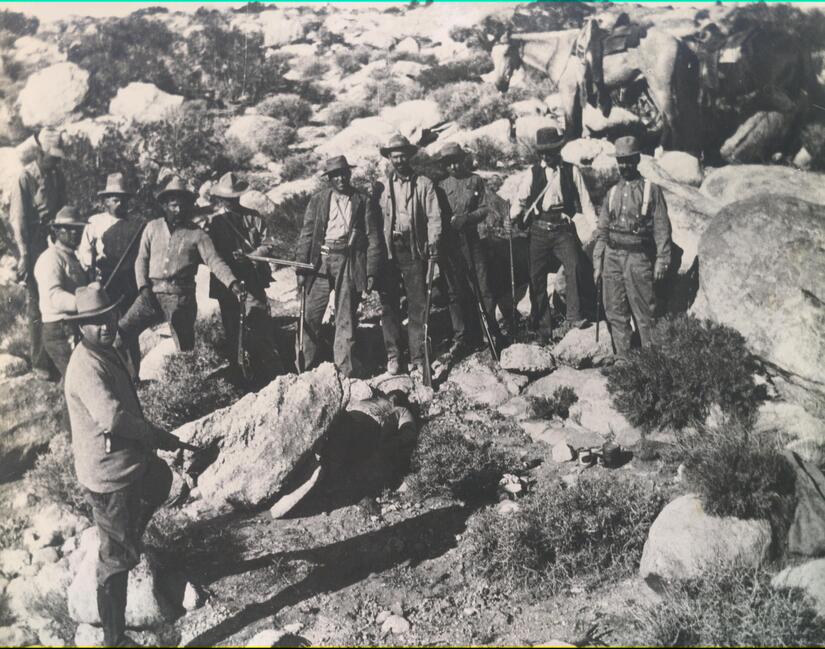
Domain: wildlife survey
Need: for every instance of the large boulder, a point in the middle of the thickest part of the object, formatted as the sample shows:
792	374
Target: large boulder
682	167
146	605
580	350
280	31
360	140
810	577
34	52
737	182
484	383
12	365
684	541
144	102
762	273
282	423
411	115
52	94
527	359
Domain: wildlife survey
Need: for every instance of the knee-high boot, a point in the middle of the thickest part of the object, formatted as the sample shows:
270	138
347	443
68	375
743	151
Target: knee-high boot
111	605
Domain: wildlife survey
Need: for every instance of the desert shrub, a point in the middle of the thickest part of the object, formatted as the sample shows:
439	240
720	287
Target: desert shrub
738	472
276	140
53	478
300	165
150	11
342	113
557	405
583	535
447	462
730	606
54	606
415	57
11	532
808	27
290	108
188	387
813	139
472	104
18	23
490	154
468	69
694	365
312	91
13	299
551	16
386	89
349	61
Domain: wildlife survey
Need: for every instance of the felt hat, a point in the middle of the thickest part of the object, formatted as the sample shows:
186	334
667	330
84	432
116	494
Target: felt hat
115	186
229	186
549	139
51	142
398	143
627	146
92	301
68	217
337	163
450	151
175	185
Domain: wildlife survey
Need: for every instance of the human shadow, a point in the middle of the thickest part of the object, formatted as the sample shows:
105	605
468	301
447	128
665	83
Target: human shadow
344	563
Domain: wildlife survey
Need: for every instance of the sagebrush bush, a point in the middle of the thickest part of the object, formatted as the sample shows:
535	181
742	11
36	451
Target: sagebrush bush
468	69
738	472
730	606
584	535
342	113
53	478
300	165
447	462
557	405
473	104
350	61
18	23
290	108
275	141
54	606
12	306
694	365
490	154
386	89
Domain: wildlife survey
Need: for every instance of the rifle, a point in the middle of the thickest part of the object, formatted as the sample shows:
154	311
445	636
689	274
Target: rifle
512	271
599	289
243	357
525	222
428	372
482	313
124	255
282	262
300	361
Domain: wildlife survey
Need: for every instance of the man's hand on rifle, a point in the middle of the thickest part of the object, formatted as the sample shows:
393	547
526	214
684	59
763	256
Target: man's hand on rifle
236	288
432	251
146	293
459	221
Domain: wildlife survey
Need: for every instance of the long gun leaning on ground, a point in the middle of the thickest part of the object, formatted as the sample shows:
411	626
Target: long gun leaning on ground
243	356
428	372
482	312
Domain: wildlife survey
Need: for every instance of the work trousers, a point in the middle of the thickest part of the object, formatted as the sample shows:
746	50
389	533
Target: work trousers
57	341
461	258
628	291
39	356
547	250
179	310
346	303
259	342
413	272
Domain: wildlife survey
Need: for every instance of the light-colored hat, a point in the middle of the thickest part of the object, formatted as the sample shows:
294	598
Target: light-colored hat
549	139
229	186
338	163
51	142
176	185
451	150
68	217
115	186
627	146
91	301
397	143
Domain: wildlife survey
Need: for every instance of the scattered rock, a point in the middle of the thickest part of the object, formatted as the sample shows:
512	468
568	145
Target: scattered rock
12	561
682	167
535	360
396	625
143	103
192	598
507	507
18	636
151	365
280	31
407	45
483	384
517	408
580	350
50	95
806	535
268	638
810	577
281	422
684	541
792	419
563	453
88	636
52	525
12	365
803	159
360	140
761	272
49	636
45	555
50	581
411	115
34	52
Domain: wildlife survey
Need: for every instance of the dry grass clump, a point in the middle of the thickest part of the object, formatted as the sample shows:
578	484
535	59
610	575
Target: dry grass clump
53	478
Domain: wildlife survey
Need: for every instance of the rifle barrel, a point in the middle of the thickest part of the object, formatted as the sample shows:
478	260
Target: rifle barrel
282	262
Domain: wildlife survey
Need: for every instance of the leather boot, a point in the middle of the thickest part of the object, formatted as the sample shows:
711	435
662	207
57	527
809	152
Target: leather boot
111	605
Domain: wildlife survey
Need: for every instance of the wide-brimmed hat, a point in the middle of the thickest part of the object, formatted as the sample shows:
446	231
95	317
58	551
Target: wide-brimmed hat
68	217
51	142
91	301
549	139
337	163
175	185
627	146
398	143
229	186
450	151
115	186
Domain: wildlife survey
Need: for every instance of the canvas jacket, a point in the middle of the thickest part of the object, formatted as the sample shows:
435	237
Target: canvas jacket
35	199
426	214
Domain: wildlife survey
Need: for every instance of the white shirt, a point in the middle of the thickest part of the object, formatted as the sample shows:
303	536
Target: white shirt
93	237
58	275
552	197
340	215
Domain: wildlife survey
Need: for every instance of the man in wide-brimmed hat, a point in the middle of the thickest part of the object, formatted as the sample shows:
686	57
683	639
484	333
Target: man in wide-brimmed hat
124	480
463	207
341	238
40	191
170	250
237	231
59	274
548	199
633	248
412	230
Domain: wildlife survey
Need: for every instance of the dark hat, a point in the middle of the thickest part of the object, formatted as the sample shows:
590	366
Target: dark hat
397	143
115	186
549	139
175	185
68	217
451	150
627	146
338	163
229	186
91	301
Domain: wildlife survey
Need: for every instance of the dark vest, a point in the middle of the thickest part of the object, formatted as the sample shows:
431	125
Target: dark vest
571	204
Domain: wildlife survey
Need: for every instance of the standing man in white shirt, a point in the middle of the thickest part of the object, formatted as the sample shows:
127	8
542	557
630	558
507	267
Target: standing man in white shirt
548	199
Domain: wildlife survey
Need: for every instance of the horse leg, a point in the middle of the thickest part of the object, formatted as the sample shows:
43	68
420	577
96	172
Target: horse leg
571	105
657	62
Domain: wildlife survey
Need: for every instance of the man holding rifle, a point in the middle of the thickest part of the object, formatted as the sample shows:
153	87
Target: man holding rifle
236	233
115	461
340	238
